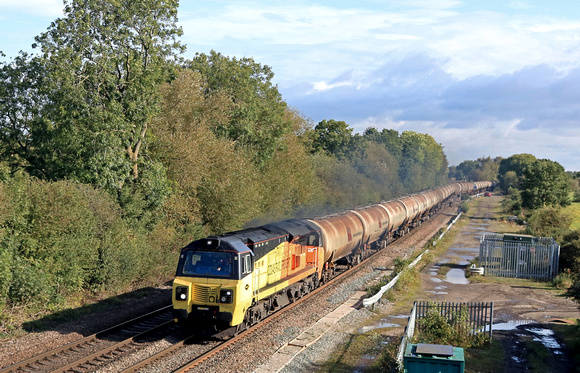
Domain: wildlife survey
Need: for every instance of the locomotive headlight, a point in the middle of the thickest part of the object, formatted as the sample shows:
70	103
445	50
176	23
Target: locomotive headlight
226	296
181	293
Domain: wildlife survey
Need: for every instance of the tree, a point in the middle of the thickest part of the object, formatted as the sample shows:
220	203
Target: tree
332	137
21	103
104	63
258	121
482	169
389	138
423	163
570	252
517	164
379	166
545	184
216	185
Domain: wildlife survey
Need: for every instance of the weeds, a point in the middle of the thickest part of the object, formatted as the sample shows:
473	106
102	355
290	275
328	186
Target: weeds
451	329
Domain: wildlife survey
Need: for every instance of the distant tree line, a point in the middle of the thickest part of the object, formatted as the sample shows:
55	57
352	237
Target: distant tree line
115	151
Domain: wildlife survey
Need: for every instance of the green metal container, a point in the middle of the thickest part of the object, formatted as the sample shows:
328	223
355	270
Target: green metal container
429	358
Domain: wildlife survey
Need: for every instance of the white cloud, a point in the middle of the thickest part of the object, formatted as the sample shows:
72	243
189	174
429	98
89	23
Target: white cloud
319	42
43	8
533	110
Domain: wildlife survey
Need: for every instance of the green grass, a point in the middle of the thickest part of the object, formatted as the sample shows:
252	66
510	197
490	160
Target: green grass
574	210
486	358
570	335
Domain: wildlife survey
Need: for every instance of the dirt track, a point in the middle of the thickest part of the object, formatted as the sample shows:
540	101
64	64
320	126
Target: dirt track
513	303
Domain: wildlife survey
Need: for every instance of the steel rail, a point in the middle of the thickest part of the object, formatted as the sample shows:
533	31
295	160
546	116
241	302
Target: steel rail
35	361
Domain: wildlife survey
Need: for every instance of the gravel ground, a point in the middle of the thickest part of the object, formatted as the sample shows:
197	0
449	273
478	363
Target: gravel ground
124	308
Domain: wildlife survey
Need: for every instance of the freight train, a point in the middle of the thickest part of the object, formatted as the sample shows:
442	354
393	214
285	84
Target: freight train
232	281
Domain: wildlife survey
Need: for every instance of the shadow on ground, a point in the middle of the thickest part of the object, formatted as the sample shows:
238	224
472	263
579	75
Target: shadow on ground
94	317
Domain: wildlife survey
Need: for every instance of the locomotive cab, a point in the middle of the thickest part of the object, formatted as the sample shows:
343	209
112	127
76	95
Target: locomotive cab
213	276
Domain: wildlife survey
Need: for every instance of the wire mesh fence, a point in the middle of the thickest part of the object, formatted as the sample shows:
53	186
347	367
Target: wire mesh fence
519	256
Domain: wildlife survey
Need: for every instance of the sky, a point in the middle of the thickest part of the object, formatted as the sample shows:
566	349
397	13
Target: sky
483	78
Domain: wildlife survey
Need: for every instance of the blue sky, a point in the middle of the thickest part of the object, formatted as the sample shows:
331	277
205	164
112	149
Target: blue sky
484	78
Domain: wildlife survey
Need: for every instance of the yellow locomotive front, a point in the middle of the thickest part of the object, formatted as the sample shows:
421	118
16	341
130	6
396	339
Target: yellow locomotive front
238	278
213	283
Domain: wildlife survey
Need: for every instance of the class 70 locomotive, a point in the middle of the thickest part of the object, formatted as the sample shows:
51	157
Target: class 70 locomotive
235	279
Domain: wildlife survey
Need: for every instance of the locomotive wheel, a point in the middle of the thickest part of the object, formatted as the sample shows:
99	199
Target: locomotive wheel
244	324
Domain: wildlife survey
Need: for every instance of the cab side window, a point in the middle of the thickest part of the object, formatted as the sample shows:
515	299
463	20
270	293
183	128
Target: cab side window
246	264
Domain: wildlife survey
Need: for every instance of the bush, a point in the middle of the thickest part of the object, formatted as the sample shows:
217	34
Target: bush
563	280
570	252
31	284
451	329
62	238
574	291
549	222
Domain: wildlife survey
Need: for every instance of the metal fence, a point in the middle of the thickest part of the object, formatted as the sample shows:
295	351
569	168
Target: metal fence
479	318
519	256
478	315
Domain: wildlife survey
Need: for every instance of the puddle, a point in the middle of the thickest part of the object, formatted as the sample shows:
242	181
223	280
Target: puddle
440	287
399	316
382	324
432	273
546	337
510	325
456	276
466	249
517	359
435	279
467	257
437	292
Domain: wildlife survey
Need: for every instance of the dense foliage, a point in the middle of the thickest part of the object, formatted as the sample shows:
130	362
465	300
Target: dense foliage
115	152
482	169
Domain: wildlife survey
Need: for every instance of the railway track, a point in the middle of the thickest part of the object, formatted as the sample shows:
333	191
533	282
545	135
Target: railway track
211	351
197	360
238	349
87	354
104	348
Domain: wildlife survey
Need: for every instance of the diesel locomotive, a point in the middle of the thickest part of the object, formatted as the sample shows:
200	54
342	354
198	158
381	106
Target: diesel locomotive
235	279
